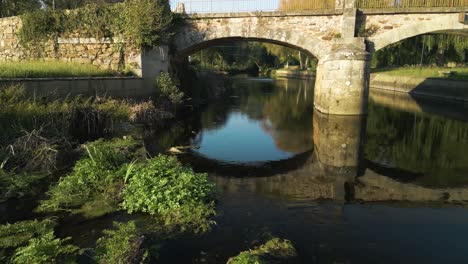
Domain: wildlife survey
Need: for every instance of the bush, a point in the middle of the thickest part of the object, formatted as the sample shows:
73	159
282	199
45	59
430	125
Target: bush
18	185
167	89
18	234
172	192
275	250
34	242
99	176
46	250
121	245
141	22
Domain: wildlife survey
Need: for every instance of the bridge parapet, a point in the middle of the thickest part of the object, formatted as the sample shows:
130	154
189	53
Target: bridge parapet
260	7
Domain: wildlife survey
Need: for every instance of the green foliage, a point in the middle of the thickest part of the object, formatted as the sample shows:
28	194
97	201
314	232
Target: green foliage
43	69
98	176
46	249
41	25
251	57
172	192
17	7
146	22
34	242
18	234
18	185
121	245
140	22
436	49
275	250
59	118
168	89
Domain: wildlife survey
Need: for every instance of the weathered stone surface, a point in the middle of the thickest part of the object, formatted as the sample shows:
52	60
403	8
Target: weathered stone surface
103	53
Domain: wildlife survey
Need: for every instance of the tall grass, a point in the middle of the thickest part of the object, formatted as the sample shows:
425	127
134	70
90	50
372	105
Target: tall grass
44	69
410	3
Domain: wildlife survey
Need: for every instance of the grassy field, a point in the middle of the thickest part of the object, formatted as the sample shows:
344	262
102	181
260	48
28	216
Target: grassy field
459	73
45	69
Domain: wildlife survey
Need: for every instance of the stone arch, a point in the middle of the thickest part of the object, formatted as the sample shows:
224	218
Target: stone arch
438	24
194	37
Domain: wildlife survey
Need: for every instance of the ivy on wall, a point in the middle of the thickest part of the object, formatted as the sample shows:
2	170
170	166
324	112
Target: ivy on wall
144	23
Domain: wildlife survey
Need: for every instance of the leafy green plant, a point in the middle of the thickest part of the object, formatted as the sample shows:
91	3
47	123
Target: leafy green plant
275	250
46	249
99	175
18	185
121	245
172	192
167	89
140	22
34	242
18	234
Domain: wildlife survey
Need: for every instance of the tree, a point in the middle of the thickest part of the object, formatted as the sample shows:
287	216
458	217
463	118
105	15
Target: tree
18	7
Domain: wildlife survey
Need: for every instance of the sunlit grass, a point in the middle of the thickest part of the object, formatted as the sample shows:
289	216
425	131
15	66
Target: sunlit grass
44	69
460	73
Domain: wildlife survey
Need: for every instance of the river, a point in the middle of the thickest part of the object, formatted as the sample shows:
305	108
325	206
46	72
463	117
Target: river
389	188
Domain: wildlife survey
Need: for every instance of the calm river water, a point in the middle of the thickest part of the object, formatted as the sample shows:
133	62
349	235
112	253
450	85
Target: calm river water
389	188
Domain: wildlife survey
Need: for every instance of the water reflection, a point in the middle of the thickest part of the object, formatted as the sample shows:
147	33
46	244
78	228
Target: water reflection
263	120
348	185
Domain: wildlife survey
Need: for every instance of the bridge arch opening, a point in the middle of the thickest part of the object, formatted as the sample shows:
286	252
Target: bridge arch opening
235	54
441	48
439	25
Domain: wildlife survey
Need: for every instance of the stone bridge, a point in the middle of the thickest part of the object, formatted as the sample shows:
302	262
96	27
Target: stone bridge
342	39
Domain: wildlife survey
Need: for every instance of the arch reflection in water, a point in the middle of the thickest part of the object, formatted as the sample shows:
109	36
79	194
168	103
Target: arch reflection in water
329	172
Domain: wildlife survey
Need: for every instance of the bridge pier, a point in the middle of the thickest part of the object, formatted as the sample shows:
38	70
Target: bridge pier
342	80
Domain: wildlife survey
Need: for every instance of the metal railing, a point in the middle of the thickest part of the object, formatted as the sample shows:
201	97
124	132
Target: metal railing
410	3
234	6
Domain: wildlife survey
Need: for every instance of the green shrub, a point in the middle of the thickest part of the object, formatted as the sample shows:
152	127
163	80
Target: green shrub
172	192
46	249
121	245
18	185
167	89
275	250
140	22
34	242
19	234
97	176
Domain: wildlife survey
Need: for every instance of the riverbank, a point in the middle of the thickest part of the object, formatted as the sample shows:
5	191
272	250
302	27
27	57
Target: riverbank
296	74
53	69
422	86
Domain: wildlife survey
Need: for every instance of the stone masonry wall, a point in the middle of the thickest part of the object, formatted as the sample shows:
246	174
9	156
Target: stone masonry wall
102	53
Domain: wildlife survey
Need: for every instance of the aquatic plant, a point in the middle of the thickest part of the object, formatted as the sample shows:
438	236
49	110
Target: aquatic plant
18	185
173	193
97	177
120	245
34	242
275	250
46	249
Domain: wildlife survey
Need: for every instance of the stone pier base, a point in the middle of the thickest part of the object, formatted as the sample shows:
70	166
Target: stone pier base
342	83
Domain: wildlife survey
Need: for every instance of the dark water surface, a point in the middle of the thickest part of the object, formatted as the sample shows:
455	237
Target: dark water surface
389	188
